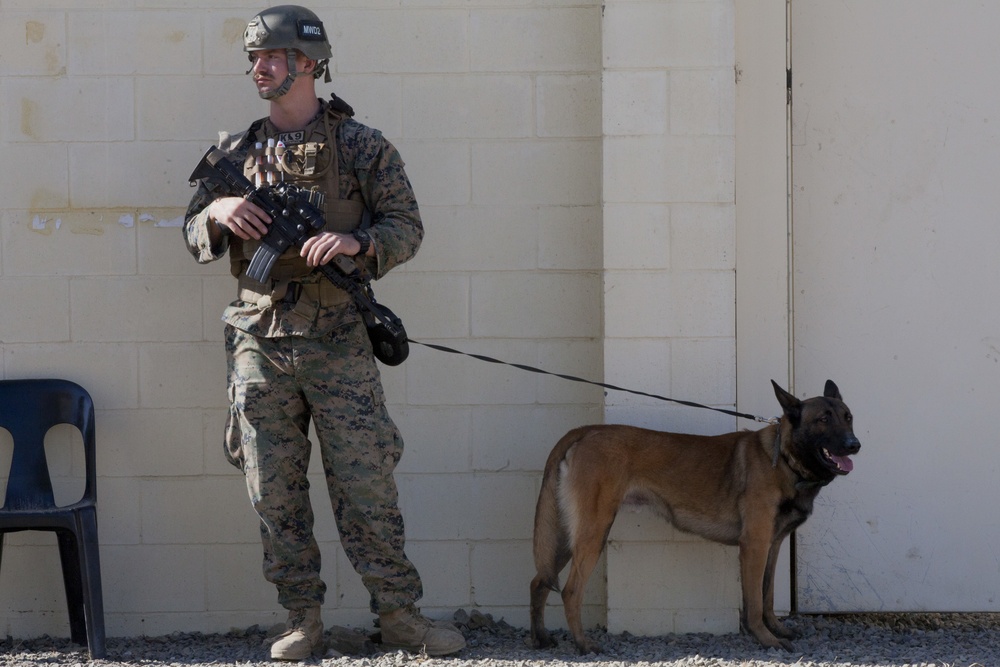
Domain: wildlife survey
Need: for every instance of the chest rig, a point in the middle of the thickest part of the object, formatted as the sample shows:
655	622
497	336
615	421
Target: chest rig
307	158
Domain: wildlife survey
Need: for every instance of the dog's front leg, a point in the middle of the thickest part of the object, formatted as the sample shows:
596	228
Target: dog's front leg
755	544
770	620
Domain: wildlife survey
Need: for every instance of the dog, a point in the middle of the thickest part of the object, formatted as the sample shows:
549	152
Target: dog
748	488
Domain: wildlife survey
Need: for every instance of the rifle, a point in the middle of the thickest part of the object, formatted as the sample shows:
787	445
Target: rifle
293	220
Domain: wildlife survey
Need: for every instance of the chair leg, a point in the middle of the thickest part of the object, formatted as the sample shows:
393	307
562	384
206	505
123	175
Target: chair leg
69	555
93	597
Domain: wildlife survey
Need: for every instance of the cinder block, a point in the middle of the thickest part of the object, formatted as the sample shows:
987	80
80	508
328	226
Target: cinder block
666	35
160	42
694	289
624	224
37	310
119	514
109	371
445	571
437	439
536	304
467	507
222	39
438	107
377	101
635	103
40	37
160	120
440	174
101	113
519	438
41	181
702	101
183	375
502	238
31	577
173	511
703	370
411	41
553	172
703	236
639	364
440	378
68	243
104	175
502	572
136	309
556	224
431	305
568	105
140	443
669	169
578	358
639	304
549	39
149	579
235	581
671	576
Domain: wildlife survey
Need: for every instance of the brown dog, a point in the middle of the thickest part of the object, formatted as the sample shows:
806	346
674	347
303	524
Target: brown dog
748	488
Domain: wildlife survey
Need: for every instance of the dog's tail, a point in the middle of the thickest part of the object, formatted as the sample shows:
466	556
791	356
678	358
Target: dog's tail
551	544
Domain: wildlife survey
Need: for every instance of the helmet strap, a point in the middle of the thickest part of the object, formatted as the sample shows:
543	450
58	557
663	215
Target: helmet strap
293	74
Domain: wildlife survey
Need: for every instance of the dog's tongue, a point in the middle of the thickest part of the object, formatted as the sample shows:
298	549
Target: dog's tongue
844	463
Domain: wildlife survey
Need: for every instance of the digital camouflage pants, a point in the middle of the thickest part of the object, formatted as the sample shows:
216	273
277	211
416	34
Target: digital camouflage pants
276	386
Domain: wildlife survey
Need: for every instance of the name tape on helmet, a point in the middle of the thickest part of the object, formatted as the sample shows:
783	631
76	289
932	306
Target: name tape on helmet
311	30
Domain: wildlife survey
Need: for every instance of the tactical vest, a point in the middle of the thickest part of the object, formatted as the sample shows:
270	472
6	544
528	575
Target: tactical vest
310	161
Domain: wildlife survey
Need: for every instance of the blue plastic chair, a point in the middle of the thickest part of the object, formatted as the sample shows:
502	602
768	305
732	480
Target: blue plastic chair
28	409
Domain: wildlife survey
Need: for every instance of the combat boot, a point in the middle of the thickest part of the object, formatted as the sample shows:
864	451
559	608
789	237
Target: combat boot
409	630
303	635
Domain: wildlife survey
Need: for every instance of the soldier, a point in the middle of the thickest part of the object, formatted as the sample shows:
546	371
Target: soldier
297	348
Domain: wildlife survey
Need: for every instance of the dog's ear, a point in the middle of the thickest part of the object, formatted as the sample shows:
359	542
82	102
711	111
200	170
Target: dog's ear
831	391
791	405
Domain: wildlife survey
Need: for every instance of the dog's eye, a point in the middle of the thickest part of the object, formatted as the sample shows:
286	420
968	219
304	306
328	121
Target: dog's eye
824	419
848	418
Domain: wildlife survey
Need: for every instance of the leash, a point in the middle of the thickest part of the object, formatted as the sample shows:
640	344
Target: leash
571	378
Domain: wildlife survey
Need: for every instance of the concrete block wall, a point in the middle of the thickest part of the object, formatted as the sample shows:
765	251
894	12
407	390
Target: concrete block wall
573	162
669	283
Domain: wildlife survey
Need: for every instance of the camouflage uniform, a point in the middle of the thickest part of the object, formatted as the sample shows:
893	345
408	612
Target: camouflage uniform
304	354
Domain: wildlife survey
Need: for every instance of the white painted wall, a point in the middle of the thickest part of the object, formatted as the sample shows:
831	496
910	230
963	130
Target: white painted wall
575	167
895	217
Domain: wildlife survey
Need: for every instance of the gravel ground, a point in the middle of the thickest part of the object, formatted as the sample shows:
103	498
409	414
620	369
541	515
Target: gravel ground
857	640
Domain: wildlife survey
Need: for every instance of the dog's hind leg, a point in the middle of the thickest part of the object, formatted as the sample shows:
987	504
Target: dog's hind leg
587	547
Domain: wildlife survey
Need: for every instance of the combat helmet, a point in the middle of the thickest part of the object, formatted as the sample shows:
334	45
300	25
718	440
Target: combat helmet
292	28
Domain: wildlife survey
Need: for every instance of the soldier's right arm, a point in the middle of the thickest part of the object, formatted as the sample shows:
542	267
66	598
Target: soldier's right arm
204	239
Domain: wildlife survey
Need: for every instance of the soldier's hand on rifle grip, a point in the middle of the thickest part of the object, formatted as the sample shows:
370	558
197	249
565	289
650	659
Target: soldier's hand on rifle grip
241	217
322	248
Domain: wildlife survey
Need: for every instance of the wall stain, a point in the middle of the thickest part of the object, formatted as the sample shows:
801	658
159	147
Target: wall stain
34	32
176	36
232	31
29	111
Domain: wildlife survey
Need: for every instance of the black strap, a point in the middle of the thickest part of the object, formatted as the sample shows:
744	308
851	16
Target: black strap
572	378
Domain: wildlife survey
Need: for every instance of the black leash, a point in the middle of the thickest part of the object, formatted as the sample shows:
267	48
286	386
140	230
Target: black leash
572	378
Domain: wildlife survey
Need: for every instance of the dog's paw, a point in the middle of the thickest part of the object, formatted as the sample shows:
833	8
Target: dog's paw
586	646
540	640
780	629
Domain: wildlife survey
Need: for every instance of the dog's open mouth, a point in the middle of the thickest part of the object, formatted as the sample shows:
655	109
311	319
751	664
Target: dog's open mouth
840	464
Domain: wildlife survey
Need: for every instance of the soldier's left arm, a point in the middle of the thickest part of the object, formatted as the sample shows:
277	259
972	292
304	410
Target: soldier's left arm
397	229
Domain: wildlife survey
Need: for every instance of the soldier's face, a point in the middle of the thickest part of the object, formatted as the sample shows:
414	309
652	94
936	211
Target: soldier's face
269	69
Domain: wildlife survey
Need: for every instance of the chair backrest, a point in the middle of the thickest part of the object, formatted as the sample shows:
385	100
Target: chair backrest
28	409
